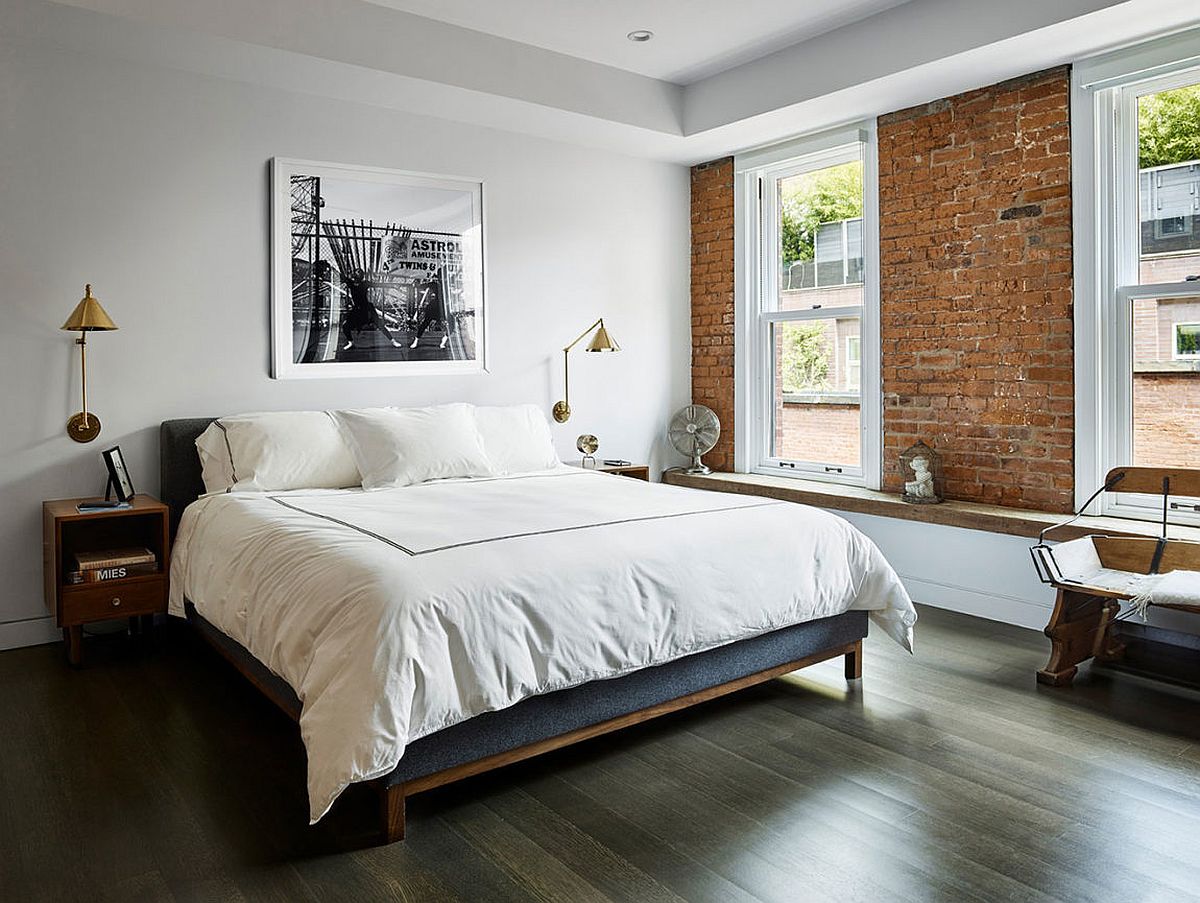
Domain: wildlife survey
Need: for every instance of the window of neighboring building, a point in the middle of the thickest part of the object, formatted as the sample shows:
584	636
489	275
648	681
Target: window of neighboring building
808	390
1138	298
1187	341
1172	226
853	349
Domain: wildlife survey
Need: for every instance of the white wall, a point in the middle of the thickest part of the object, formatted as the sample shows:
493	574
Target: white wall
151	184
989	575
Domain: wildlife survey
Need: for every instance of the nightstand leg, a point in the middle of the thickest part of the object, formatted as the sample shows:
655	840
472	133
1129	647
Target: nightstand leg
142	627
73	638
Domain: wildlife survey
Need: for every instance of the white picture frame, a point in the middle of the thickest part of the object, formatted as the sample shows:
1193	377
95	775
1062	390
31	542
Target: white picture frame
375	272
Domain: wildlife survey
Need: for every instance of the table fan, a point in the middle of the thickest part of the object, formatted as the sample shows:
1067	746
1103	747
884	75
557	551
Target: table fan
693	432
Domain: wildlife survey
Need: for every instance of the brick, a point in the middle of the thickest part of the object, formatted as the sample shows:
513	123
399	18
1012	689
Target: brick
967	368
712	299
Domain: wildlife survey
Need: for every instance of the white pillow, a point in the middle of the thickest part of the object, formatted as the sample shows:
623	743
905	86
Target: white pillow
517	439
402	446
275	451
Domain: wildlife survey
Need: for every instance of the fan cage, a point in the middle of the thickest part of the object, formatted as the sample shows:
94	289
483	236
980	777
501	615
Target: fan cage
694	431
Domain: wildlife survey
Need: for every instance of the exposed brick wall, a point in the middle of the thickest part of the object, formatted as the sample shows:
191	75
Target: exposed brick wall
712	300
975	266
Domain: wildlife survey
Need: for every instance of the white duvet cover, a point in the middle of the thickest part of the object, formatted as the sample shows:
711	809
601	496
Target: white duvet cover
399	612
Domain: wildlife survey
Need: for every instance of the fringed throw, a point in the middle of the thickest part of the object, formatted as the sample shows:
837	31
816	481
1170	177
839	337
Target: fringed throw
1177	588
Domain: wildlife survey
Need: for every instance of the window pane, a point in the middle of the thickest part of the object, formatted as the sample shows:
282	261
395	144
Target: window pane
1169	185
1166	382
817	413
820	249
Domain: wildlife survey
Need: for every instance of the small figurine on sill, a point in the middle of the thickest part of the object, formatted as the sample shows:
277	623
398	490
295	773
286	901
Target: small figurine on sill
921	468
922	486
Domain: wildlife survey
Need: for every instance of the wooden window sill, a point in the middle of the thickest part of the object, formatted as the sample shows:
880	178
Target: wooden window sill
968	515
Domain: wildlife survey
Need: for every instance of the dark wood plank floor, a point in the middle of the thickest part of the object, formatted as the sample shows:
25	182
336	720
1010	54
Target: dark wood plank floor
158	774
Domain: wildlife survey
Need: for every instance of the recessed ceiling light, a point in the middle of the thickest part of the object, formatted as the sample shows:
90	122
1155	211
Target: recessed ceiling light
641	36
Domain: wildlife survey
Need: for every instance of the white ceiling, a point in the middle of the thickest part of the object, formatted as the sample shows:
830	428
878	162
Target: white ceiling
381	55
693	39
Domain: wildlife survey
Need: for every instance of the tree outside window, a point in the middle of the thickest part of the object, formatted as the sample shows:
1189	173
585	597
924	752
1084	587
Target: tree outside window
1169	127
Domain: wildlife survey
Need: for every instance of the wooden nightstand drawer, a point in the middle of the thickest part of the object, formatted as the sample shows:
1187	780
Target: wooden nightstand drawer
119	599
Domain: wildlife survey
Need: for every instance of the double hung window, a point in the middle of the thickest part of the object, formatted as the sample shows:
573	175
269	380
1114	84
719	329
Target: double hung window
808	302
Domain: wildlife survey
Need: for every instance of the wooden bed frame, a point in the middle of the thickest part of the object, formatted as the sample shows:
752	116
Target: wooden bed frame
392	798
393	795
810	643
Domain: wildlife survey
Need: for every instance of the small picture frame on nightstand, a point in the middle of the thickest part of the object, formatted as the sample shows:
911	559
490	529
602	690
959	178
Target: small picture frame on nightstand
119	481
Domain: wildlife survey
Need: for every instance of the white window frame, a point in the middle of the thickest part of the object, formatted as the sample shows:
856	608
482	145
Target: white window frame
756	279
1107	243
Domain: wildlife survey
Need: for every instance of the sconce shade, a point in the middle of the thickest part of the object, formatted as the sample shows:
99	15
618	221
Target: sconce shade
602	341
89	316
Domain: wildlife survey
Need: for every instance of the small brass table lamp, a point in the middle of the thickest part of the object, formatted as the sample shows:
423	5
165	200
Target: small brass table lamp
601	341
88	316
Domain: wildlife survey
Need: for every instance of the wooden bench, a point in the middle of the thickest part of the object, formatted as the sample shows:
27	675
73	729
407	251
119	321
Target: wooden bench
1080	626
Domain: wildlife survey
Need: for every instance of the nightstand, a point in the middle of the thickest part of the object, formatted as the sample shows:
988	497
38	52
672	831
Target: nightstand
66	532
636	471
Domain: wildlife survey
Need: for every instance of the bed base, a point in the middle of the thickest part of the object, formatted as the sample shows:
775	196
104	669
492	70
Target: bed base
487	741
392	798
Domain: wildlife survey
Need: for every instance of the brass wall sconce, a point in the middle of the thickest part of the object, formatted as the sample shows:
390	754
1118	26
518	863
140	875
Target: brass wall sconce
88	316
601	341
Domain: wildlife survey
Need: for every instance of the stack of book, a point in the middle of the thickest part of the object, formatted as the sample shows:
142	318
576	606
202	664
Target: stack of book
112	564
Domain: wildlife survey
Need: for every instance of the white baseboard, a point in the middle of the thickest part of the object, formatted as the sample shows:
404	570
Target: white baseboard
30	632
994	607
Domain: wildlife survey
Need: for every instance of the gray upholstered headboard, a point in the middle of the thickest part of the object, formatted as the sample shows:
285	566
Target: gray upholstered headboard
179	464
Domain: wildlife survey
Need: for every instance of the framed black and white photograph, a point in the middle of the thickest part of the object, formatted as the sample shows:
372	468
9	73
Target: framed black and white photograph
119	481
375	272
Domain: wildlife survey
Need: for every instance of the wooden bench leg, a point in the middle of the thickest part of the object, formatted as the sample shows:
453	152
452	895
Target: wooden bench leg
854	662
1078	631
391	812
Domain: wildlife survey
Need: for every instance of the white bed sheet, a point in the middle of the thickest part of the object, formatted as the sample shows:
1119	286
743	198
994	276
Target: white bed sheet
399	612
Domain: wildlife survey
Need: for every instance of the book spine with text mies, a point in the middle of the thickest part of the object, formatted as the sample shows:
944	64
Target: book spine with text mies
118	572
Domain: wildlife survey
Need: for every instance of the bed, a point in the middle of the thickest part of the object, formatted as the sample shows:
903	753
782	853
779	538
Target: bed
424	634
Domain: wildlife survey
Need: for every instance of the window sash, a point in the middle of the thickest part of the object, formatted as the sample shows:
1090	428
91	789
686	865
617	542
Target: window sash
770	213
1126	190
777	463
1119	369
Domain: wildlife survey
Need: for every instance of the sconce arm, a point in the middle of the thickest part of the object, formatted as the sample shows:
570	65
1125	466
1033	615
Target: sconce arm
599	322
